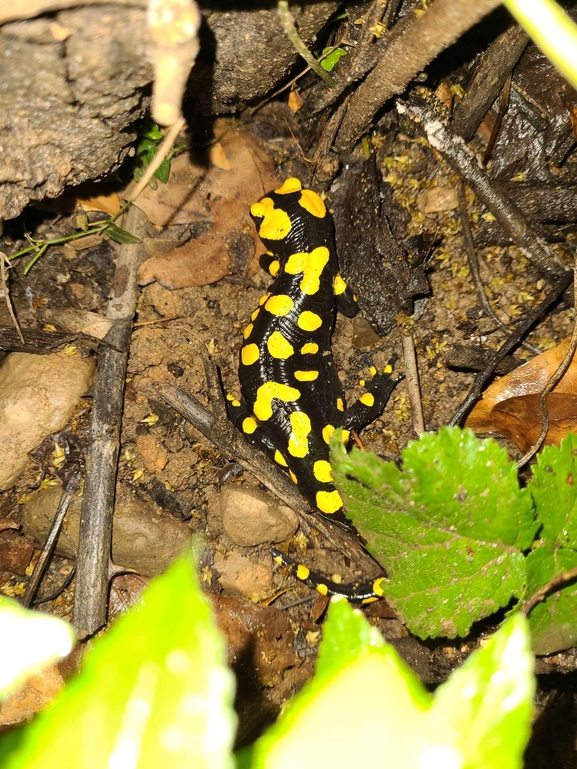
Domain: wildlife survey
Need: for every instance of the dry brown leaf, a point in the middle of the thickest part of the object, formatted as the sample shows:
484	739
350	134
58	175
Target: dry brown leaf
222	197
218	157
295	101
528	379
519	419
195	193
201	261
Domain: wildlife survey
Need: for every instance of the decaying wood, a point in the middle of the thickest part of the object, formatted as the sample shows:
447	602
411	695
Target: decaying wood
94	551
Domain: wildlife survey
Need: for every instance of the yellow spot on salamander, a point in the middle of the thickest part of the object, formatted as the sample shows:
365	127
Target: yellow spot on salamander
249	354
298	442
279	346
276	223
370	599
309	321
329	501
339	285
292	184
303	572
248	331
322	589
274	267
328	431
278	559
388	369
313	203
340	404
323	471
280	305
362	382
379	586
373	371
279	459
265	394
294	479
306	376
232	400
311	265
368	399
310	348
263	298
254	314
249	425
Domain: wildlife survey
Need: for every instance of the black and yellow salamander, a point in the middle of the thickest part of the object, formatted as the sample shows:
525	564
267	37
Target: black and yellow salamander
292	398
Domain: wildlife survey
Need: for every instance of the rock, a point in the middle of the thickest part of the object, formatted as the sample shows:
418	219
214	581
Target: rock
437	199
33	696
38	395
240	576
251	517
141	540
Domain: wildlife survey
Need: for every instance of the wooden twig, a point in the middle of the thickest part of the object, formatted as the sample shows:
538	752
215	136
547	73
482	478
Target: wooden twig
412	375
496	65
554	584
4	288
439	27
510	343
475	271
467	165
220	431
94	548
68	491
553	381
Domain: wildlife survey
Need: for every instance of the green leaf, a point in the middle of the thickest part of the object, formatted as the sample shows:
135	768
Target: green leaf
144	146
331	59
485	707
367	708
150	130
363	699
449	528
120	235
554	488
162	173
29	640
154	692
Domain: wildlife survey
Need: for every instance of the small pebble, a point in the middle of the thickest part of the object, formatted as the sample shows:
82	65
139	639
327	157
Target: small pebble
251	517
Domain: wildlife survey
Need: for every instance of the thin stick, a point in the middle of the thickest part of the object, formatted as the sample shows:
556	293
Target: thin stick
467	165
553	381
475	271
412	375
4	267
554	584
510	343
69	490
163	150
228	439
94	548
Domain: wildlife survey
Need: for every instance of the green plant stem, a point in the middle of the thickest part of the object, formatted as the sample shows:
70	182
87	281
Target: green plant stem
552	30
289	27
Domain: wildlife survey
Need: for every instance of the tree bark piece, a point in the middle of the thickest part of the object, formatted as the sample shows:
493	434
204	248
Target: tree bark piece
94	564
496	65
441	25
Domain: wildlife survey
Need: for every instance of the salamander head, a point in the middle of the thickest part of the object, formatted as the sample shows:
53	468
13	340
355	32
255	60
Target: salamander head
290	217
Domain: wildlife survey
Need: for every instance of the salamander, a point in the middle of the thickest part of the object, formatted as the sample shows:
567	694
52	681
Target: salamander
292	398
